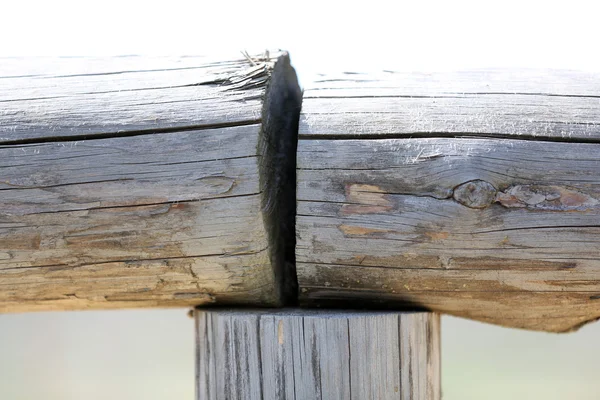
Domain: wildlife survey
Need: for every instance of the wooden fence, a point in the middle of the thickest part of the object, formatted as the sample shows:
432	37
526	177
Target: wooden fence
382	197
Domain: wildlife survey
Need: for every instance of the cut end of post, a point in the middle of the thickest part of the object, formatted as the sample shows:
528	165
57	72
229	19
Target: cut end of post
277	147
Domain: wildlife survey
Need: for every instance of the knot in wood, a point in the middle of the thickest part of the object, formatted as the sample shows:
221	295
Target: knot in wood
475	194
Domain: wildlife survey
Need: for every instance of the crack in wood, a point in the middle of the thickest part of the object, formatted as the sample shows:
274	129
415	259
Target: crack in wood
452	135
130	133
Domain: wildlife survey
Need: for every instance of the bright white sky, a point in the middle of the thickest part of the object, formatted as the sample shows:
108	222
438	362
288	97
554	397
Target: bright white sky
82	355
319	34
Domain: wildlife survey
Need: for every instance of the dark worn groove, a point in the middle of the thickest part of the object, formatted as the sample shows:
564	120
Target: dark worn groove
126	260
144	204
23	187
111	135
356	290
526	228
451	135
450	96
441	269
444	95
277	146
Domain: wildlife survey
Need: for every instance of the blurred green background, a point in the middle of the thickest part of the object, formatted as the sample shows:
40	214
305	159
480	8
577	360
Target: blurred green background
149	354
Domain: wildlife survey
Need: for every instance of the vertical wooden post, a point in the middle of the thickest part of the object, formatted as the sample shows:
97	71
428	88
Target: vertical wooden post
307	354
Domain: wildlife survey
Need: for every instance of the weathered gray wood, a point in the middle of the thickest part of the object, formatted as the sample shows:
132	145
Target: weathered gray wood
102	206
317	355
514	103
420	376
496	229
114	95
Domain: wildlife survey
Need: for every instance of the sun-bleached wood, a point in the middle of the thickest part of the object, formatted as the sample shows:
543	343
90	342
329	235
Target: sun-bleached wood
51	98
418	190
303	354
135	182
517	103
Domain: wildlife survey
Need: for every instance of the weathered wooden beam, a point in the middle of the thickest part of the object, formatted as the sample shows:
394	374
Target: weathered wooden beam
133	181
317	355
475	194
511	103
156	182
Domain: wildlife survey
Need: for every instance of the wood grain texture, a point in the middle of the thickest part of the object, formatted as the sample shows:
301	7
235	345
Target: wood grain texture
510	103
305	354
501	230
133	182
99	97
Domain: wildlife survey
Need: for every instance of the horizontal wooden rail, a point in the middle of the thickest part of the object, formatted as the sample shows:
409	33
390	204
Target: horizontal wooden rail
139	181
474	193
132	182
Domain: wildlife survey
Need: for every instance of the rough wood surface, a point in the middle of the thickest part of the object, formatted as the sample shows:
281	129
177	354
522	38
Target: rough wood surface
317	355
464	218
132	182
512	103
99	97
